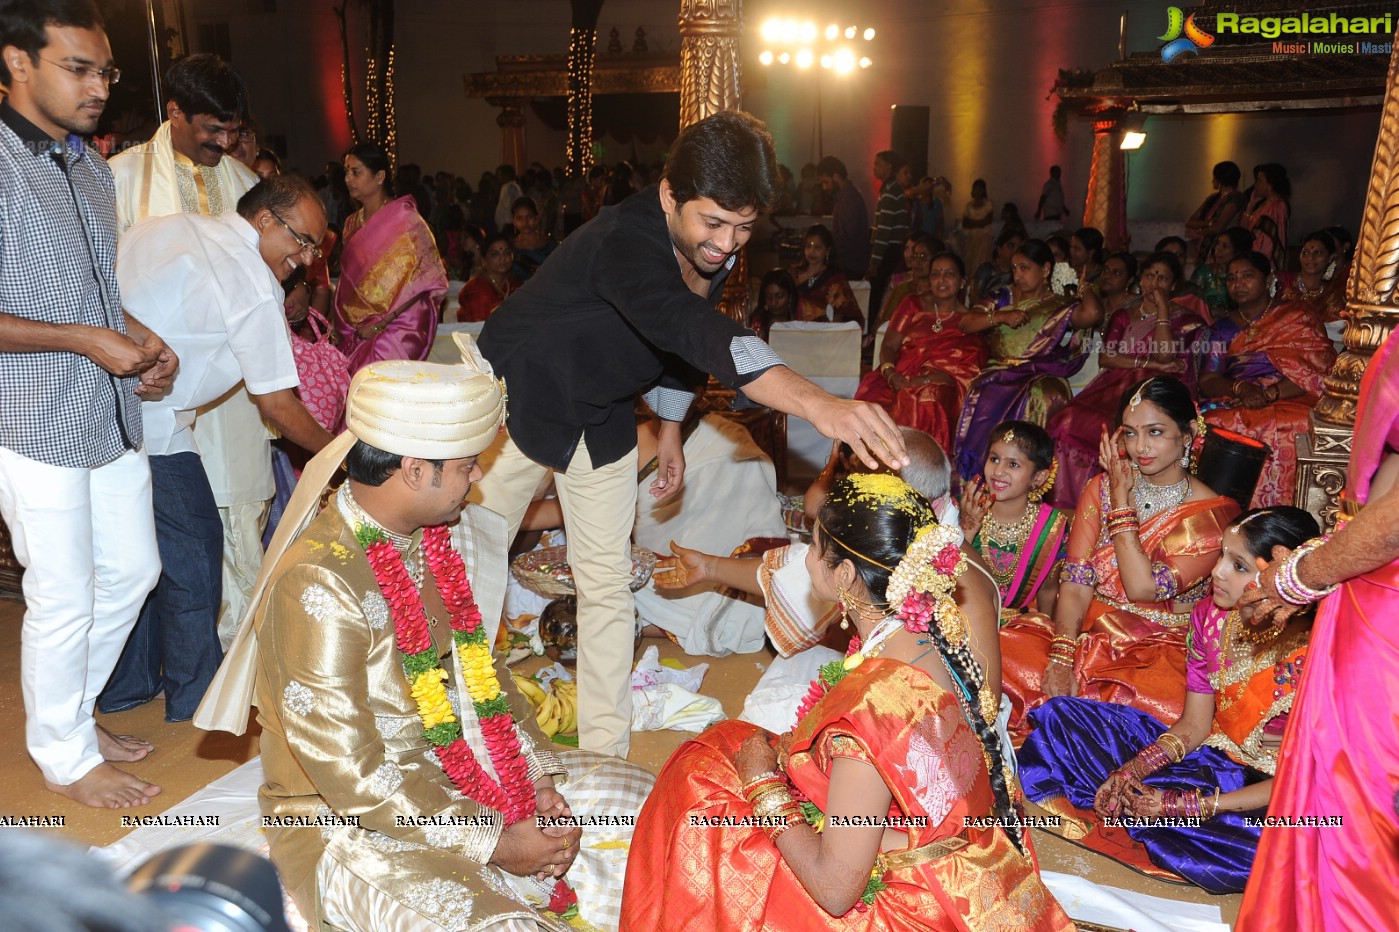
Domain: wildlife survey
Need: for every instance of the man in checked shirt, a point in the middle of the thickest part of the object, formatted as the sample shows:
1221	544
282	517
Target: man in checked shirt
75	486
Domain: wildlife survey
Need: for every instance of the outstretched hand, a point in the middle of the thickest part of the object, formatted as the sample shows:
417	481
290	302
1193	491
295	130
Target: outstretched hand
684	568
867	428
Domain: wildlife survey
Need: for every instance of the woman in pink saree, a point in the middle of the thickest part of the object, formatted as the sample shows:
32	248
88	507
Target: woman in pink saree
1340	753
391	277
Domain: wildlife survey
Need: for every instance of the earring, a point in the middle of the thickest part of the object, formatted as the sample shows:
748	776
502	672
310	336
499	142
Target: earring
840	604
1185	457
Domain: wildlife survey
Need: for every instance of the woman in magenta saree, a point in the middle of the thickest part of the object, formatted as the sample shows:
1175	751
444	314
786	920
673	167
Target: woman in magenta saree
926	361
1263	372
1157	335
1086	758
875	812
1340	753
392	280
1035	346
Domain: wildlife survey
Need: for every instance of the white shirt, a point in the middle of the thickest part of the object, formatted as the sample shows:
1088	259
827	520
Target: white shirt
201	283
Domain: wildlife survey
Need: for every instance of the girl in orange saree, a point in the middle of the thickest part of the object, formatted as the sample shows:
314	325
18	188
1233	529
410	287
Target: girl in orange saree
1264	371
880	809
1340	753
926	361
1144	539
392	280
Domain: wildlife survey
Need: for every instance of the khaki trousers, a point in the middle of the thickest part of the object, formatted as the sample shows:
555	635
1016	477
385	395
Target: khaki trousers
599	509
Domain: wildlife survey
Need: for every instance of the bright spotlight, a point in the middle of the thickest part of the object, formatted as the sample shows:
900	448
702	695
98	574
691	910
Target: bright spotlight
849	32
869	34
826	61
808	31
844	61
865	62
766	57
832	32
804	58
1133	139
791	31
770	30
784	58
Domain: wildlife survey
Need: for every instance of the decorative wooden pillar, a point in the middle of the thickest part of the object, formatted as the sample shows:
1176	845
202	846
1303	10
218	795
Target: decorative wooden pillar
709	65
710	73
511	121
1106	205
1372	311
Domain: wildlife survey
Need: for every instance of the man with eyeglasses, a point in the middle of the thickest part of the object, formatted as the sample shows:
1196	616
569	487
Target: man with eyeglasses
212	285
184	168
75	486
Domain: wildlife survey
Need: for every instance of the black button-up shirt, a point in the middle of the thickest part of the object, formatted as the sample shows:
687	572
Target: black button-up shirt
58	246
607	316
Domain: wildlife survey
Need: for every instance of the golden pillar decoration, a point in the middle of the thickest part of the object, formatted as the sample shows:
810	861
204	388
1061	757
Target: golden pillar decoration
709	82
709	66
1105	207
511	120
1372	311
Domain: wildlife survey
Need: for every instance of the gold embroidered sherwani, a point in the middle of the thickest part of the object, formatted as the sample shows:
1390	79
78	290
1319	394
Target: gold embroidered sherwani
342	740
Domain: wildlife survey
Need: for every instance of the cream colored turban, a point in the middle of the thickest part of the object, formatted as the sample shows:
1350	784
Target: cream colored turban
427	409
421	409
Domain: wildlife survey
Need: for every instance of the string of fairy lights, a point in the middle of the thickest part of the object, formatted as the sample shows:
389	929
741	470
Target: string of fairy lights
581	54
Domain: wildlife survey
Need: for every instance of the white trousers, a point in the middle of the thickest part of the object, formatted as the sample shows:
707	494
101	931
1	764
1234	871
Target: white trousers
243	525
599	511
86	538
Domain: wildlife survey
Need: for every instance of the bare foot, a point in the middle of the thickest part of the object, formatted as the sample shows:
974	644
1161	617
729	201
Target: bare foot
106	787
122	747
652	631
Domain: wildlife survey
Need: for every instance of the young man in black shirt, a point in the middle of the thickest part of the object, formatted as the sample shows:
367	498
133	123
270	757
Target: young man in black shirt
627	305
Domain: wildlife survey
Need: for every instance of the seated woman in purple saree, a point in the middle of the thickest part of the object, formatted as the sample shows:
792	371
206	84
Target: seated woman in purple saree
1033	333
1215	763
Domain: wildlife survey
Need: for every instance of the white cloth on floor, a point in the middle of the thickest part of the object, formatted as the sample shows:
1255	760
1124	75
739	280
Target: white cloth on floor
1116	908
773	702
729	495
666	698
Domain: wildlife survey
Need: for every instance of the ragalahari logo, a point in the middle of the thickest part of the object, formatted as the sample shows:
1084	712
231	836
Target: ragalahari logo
1182	35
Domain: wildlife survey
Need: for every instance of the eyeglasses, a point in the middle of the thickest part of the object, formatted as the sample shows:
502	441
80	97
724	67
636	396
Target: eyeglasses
86	73
306	244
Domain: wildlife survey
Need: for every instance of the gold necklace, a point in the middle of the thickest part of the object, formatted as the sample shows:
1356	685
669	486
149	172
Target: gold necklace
1008	538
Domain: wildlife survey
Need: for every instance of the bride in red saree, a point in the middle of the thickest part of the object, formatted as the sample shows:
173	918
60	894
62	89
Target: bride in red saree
884	807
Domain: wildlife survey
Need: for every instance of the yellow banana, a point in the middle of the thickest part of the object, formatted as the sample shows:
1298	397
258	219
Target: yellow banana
530	688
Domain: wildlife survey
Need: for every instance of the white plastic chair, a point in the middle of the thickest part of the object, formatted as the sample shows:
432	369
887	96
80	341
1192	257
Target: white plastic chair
443	349
450	303
879	342
829	355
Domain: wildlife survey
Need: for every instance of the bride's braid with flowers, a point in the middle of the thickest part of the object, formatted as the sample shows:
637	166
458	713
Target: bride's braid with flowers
910	565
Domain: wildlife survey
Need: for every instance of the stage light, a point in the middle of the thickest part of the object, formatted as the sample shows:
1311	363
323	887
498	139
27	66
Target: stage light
832	32
765	57
849	32
865	62
826	61
844	61
869	34
804	58
784	58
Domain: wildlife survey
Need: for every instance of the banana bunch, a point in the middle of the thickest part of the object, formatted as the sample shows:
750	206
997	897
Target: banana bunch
555	709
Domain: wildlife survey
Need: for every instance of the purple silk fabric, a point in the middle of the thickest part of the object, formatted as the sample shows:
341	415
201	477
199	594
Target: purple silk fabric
1076	743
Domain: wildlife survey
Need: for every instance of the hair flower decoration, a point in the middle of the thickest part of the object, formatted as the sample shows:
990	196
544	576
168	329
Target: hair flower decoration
1062	277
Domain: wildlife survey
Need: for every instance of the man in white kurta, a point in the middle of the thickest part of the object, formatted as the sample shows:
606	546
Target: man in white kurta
214	285
183	169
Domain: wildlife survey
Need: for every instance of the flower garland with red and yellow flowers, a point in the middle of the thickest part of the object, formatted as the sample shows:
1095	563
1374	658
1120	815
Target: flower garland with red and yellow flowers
513	795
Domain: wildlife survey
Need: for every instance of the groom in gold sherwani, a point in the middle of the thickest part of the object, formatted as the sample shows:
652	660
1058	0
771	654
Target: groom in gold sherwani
366	827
